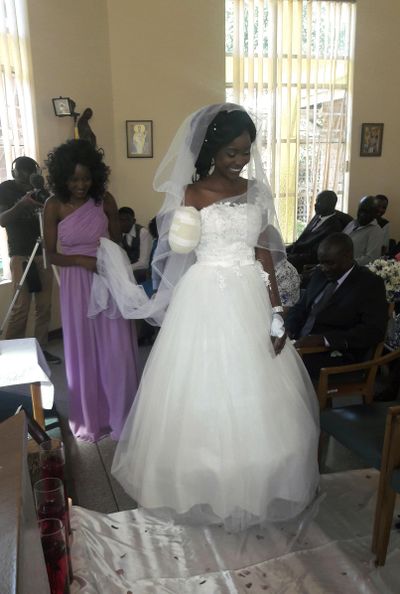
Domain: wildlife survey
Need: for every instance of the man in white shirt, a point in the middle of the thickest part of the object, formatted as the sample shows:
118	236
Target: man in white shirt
137	243
365	232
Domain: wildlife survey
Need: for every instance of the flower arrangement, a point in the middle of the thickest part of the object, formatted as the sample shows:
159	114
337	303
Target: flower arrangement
389	271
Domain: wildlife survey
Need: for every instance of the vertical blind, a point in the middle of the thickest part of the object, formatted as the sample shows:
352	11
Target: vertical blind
16	116
290	63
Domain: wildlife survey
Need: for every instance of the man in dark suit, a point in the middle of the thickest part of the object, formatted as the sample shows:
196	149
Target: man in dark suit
327	220
343	308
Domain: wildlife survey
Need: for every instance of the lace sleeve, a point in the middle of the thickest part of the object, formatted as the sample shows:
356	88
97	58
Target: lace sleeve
288	281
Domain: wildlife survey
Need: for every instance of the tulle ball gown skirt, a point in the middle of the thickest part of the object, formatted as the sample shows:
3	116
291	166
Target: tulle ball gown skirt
222	430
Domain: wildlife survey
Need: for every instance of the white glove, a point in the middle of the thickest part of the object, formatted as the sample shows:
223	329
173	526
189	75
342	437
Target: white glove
185	230
277	325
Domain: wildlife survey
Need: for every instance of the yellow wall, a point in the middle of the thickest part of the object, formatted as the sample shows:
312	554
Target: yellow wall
70	57
167	59
161	60
376	99
157	60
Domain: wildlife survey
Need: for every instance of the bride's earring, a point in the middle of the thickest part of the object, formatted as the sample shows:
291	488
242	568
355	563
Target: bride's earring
212	166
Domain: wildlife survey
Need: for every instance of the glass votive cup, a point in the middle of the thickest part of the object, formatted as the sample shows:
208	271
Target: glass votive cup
52	459
53	538
50	502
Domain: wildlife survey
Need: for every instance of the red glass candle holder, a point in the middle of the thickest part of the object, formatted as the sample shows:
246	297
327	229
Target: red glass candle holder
52	459
52	535
52	464
51	503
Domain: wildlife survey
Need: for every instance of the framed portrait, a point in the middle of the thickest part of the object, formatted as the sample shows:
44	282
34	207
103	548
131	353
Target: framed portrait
139	139
371	140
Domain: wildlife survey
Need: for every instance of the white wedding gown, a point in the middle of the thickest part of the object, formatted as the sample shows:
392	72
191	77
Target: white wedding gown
221	430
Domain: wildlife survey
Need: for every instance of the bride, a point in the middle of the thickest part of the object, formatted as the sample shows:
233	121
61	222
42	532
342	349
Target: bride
224	427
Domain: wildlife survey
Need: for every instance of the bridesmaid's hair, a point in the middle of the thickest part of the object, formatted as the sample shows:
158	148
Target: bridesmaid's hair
61	165
225	127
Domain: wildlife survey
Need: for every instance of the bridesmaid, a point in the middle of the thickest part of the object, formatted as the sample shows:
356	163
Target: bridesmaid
100	353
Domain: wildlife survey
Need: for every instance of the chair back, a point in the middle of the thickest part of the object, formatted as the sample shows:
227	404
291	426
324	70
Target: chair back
389	484
358	378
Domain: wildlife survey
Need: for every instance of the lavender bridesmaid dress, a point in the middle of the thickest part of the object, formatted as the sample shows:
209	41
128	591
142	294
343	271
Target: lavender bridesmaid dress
100	353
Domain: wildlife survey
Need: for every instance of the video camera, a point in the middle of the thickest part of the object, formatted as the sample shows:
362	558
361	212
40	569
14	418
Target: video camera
40	194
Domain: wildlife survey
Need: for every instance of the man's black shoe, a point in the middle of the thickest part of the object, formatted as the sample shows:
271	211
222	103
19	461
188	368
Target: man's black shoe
51	358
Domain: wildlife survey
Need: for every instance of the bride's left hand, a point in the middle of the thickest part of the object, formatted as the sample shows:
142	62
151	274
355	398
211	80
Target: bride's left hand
278	343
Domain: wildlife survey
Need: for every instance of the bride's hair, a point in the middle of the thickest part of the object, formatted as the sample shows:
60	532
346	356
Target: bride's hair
225	127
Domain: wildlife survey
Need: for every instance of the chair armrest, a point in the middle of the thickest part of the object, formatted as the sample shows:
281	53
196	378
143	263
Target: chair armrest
394	411
326	371
311	350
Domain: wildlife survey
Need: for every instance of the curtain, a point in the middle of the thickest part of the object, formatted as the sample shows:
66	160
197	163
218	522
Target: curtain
16	117
290	63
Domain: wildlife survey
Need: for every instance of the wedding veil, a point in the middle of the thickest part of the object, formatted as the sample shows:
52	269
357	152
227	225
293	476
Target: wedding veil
175	172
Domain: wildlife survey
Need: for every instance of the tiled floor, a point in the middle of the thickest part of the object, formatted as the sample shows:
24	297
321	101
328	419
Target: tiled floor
90	480
88	465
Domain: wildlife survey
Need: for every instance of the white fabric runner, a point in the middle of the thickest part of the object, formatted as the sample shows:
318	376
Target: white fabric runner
22	362
130	552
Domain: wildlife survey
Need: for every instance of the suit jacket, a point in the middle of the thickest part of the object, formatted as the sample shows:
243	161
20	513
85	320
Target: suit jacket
355	317
304	249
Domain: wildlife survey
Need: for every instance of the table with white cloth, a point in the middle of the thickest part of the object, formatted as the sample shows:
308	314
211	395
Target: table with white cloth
22	362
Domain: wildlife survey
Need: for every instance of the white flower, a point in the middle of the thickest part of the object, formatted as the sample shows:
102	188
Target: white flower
389	271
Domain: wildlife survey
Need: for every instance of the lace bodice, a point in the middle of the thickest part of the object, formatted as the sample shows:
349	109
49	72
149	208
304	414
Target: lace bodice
229	232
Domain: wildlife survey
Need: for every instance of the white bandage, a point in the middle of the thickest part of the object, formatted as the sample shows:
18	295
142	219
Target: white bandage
185	230
277	325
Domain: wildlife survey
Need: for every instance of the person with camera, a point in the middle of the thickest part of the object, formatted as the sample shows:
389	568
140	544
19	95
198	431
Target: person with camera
19	204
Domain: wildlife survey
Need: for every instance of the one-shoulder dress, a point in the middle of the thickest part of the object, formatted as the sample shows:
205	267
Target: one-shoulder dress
100	353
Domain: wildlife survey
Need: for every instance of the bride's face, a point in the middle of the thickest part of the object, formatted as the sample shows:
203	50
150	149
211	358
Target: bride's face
232	158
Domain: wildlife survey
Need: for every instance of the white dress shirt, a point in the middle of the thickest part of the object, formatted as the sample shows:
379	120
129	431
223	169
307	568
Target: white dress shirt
367	241
146	242
321	220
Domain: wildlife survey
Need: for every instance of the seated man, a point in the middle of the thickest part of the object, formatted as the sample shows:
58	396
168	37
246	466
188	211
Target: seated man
136	241
327	220
343	308
365	232
383	202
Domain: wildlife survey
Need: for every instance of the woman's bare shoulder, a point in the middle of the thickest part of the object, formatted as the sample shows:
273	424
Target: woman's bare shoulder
53	204
192	194
198	194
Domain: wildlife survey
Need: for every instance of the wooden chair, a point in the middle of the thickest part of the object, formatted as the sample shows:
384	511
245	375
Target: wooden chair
372	431
389	485
343	380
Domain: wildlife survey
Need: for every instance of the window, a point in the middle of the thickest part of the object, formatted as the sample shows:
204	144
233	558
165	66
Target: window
290	63
16	118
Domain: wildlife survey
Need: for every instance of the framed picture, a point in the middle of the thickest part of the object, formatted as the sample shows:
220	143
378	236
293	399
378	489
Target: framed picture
139	138
371	140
